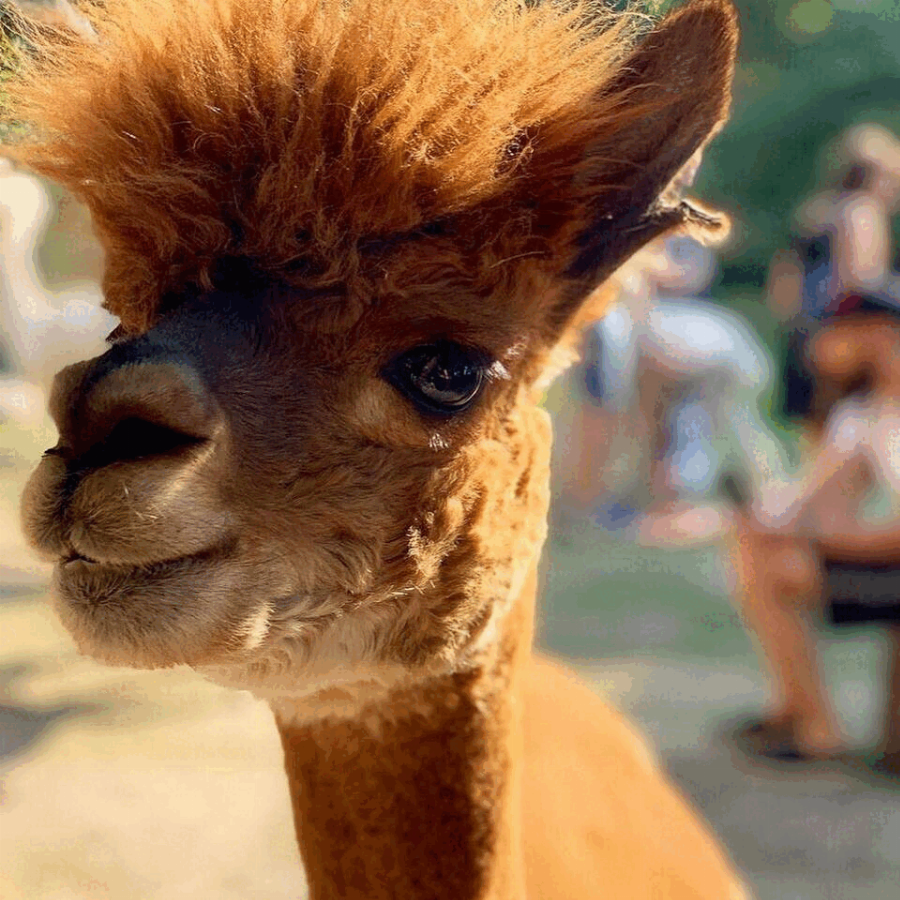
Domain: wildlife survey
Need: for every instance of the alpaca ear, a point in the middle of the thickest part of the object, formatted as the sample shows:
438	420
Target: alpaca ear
626	180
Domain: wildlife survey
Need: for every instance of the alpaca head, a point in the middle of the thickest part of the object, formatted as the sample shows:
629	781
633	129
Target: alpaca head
346	242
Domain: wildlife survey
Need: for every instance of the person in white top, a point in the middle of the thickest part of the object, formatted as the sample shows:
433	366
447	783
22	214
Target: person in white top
855	217
675	382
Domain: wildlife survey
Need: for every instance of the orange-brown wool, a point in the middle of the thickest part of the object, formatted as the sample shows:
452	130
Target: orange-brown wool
296	132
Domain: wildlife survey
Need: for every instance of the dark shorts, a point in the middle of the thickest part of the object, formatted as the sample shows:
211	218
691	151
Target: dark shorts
798	384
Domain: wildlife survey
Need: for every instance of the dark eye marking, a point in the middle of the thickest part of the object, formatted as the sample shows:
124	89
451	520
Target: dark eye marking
441	378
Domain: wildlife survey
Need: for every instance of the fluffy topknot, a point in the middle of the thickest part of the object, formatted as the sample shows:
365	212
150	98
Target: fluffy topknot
289	131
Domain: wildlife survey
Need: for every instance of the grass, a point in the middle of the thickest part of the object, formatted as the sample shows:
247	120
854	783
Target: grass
604	598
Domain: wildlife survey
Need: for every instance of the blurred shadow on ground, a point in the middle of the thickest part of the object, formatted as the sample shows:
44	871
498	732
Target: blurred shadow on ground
23	726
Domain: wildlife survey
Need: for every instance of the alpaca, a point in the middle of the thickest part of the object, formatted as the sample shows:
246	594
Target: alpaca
349	244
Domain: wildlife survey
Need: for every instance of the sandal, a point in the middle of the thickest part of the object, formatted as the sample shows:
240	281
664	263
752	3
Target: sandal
772	739
886	764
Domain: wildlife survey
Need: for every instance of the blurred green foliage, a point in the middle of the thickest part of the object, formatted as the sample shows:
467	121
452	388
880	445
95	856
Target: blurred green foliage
808	70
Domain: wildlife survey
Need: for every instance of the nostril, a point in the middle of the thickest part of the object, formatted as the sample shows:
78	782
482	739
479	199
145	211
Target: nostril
135	438
126	407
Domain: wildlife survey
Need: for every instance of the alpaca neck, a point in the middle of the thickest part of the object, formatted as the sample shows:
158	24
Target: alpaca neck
419	796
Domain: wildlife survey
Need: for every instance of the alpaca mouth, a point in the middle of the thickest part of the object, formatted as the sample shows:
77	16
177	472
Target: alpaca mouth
75	557
91	579
82	571
75	562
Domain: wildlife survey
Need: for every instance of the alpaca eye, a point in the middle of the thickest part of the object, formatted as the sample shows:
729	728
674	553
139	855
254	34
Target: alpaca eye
442	378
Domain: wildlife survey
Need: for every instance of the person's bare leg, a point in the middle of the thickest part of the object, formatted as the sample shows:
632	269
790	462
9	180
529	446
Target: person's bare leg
655	394
780	589
885	450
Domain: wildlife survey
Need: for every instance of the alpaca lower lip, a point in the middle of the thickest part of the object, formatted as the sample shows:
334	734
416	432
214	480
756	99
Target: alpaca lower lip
76	564
87	582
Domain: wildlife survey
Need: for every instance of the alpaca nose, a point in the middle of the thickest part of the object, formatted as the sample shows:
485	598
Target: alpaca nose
133	402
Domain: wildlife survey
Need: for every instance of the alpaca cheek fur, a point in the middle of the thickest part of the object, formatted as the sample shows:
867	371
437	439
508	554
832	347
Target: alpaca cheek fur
147	511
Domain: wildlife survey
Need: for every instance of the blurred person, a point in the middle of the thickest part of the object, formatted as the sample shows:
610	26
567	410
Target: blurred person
674	384
704	372
844	504
607	436
842	261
